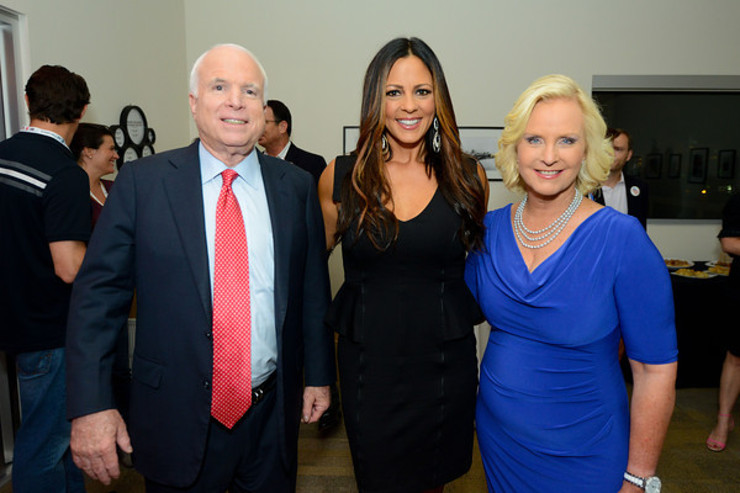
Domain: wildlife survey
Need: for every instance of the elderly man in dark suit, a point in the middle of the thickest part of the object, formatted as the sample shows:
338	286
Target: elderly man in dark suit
276	140
625	193
225	248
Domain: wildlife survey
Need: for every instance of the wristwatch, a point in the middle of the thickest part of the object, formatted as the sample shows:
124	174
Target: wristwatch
650	485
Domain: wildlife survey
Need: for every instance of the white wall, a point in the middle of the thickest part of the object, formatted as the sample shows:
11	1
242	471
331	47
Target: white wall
139	52
129	52
316	54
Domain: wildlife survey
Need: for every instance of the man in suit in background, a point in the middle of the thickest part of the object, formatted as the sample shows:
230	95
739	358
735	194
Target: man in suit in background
276	140
232	287
625	193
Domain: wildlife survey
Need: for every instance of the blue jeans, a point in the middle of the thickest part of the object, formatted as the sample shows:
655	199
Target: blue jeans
41	459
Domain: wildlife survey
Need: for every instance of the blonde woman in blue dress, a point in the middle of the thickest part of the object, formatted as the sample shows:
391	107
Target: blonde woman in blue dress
560	280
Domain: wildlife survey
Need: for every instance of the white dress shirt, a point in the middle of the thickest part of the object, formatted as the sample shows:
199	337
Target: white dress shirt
616	196
249	190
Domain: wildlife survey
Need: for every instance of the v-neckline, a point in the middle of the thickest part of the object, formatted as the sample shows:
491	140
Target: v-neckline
421	211
512	237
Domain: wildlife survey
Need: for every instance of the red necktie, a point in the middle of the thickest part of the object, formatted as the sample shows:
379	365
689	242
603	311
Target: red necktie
232	366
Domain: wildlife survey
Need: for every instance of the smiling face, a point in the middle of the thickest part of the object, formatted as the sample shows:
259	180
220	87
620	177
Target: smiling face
100	161
552	148
409	102
228	108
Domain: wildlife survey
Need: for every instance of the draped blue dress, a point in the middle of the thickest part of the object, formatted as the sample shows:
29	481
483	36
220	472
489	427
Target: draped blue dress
552	412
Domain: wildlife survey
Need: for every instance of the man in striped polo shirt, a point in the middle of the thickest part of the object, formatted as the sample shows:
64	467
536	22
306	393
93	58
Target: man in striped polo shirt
44	226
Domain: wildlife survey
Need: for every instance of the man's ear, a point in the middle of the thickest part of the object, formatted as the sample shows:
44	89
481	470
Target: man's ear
283	126
629	155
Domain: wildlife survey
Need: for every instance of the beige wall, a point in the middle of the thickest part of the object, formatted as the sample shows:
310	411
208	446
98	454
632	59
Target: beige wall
129	52
316	52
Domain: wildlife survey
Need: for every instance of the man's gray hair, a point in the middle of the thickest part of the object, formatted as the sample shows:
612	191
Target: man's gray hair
195	72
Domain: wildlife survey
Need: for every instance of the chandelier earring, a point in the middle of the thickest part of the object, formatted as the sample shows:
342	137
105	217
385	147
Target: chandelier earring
436	139
384	143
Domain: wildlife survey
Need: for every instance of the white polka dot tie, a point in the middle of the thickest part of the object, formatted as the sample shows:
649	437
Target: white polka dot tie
232	365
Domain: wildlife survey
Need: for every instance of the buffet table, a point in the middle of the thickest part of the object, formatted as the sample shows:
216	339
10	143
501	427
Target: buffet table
703	309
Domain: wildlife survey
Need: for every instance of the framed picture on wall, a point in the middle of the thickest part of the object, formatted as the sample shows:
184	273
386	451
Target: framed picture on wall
726	164
351	135
674	166
653	165
698	165
482	143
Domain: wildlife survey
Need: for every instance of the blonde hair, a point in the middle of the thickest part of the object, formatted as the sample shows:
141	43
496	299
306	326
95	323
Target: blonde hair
599	150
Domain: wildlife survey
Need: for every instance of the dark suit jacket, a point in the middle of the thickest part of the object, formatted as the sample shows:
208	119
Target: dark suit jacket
151	236
638	199
313	163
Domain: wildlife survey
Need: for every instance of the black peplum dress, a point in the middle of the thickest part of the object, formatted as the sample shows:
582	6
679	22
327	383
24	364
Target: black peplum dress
406	353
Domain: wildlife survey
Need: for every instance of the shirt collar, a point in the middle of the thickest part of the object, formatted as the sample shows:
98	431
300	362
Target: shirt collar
284	152
47	133
210	167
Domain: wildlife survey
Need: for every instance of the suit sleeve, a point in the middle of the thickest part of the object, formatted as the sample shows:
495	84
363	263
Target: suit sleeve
318	338
101	298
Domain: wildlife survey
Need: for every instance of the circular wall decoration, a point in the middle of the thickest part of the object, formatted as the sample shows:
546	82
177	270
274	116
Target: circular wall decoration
133	137
119	136
130	154
134	121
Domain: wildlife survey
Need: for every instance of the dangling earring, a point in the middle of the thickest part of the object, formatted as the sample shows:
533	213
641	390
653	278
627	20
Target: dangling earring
436	139
384	143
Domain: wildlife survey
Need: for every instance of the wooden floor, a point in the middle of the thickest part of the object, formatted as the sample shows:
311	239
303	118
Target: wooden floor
686	465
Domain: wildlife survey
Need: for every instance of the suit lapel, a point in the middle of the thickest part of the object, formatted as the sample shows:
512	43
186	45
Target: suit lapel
185	195
277	197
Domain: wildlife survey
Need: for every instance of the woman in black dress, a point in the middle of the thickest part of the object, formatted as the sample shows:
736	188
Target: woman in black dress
407	206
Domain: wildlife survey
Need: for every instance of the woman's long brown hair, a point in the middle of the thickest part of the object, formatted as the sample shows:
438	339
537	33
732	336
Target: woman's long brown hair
366	190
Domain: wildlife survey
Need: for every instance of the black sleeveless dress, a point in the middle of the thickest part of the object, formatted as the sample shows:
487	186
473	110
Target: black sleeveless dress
406	353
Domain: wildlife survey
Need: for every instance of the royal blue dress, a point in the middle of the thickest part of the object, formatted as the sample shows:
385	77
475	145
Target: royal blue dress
552	412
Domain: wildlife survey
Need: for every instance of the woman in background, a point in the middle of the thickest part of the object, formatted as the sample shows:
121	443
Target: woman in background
729	382
560	279
407	206
94	149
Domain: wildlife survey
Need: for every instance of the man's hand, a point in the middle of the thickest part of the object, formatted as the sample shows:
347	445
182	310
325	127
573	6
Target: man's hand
93	444
315	401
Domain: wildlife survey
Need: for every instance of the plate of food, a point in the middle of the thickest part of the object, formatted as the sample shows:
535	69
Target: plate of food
675	263
694	274
719	269
722	263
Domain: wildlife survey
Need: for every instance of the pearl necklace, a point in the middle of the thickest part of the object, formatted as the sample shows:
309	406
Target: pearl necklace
548	233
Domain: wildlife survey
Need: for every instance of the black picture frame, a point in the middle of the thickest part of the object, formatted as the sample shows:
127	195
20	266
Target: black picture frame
698	165
674	166
726	164
653	166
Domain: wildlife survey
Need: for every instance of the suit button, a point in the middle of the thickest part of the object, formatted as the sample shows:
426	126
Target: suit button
206	384
207	334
